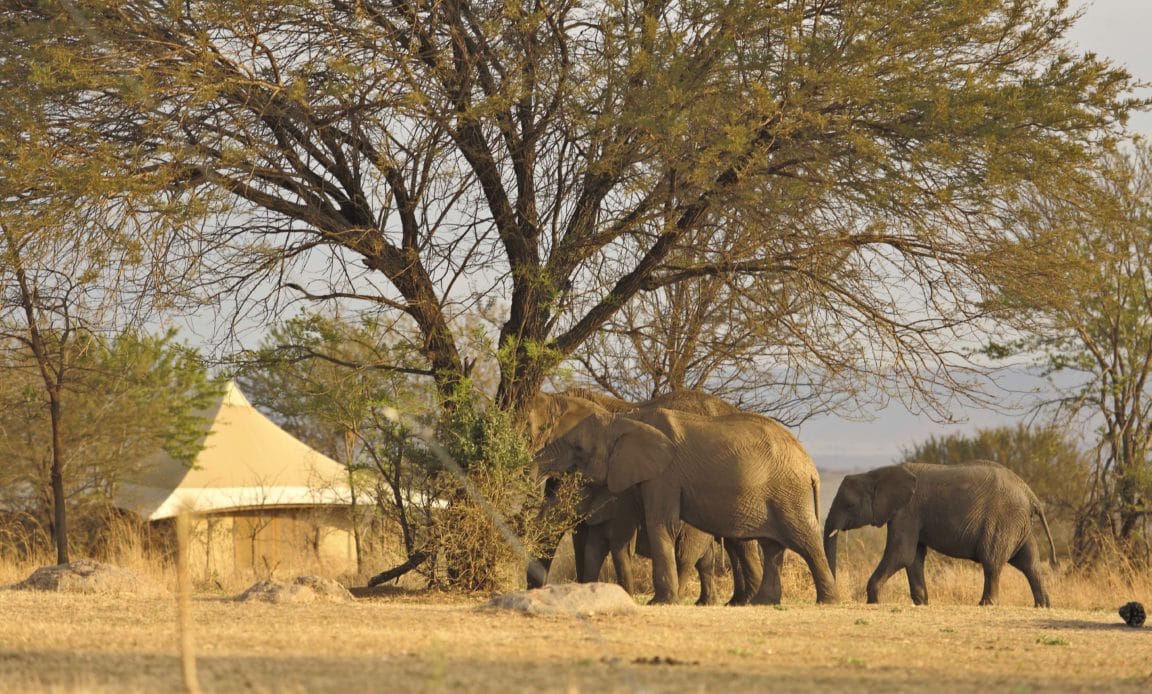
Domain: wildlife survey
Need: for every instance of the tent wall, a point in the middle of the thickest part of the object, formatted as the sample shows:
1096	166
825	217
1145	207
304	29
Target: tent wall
272	542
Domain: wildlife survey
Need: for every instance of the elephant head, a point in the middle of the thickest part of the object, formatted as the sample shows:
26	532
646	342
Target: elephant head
550	415
871	498
606	449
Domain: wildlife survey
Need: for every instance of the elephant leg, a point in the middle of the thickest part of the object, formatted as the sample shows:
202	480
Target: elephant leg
579	542
916	584
1026	561
770	589
899	552
694	553
595	551
806	542
747	569
538	571
991	582
740	595
707	570
623	548
662	520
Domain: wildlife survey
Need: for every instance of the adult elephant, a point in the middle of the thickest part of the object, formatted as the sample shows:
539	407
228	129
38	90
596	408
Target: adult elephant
739	476
613	527
978	510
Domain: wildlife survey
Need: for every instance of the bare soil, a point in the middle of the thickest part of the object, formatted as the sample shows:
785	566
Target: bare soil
429	642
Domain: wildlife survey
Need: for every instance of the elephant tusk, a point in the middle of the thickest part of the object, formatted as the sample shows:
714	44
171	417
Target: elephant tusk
832	533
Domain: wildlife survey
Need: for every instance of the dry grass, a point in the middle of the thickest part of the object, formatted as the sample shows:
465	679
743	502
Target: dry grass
55	642
419	641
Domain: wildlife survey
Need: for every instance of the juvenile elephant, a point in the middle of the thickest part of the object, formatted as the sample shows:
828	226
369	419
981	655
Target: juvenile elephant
978	510
737	476
614	527
612	530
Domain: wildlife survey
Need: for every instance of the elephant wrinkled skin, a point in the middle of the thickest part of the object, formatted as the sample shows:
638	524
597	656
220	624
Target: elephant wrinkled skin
737	476
978	510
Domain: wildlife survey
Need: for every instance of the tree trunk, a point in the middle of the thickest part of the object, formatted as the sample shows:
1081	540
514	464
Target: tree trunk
59	516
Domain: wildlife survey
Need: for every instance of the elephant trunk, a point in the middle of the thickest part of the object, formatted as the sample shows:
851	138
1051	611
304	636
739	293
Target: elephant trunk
832	528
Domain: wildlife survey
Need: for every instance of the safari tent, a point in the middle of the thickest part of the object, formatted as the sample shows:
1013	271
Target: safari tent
259	499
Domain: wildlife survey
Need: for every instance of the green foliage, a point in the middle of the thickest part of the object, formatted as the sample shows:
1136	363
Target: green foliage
480	436
574	156
335	385
1098	340
125	399
501	492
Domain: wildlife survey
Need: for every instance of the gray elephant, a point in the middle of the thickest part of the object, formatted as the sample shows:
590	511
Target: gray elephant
738	476
978	510
613	529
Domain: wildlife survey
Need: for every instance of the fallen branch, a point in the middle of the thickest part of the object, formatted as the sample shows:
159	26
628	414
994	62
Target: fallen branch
396	572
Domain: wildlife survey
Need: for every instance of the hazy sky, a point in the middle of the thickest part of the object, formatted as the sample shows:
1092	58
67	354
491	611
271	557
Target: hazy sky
1117	29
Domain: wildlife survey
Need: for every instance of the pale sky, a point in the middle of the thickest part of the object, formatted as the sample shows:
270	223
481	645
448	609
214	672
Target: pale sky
1120	30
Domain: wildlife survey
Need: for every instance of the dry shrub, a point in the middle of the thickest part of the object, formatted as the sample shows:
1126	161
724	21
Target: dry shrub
485	541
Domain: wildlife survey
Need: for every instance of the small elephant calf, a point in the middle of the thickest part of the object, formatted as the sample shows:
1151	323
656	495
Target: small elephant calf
978	510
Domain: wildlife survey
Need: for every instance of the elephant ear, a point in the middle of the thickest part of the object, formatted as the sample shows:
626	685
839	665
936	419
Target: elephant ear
892	489
639	452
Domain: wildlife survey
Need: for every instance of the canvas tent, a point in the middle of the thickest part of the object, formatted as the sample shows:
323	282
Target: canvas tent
259	497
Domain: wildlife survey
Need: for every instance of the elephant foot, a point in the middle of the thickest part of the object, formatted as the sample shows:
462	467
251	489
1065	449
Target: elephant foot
743	602
984	602
764	601
662	600
873	600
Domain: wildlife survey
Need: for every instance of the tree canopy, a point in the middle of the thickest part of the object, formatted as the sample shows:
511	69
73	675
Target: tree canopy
850	169
1095	340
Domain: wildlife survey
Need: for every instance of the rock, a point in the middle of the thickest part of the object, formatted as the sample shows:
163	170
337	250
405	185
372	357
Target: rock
89	576
301	589
1133	614
568	599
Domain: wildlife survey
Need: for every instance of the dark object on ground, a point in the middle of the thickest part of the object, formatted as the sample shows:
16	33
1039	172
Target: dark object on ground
1133	614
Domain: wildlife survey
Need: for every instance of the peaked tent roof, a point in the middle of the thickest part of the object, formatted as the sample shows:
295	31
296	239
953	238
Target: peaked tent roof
247	462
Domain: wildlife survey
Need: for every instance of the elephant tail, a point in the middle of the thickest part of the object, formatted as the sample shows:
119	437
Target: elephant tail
816	497
1039	510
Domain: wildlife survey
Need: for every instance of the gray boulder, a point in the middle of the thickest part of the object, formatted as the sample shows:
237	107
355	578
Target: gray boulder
90	576
302	589
568	599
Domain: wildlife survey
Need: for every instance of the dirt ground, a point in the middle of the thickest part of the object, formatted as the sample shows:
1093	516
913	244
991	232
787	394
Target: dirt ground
61	642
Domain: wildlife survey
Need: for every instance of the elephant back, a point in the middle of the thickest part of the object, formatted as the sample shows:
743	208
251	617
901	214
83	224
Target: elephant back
608	402
977	504
692	401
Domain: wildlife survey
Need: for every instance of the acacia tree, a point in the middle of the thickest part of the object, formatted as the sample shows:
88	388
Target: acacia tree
862	158
696	335
1099	339
78	232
